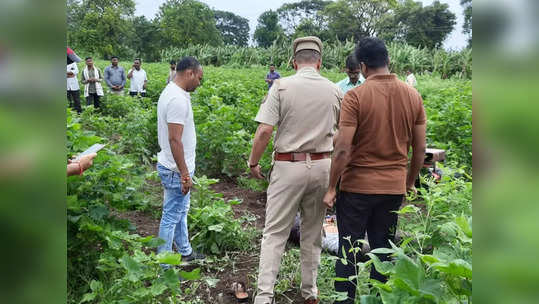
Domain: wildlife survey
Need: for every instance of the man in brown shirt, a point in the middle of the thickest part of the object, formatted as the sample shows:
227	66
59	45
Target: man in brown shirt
305	110
379	121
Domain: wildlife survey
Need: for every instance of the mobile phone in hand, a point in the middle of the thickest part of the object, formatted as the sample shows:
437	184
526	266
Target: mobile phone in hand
93	149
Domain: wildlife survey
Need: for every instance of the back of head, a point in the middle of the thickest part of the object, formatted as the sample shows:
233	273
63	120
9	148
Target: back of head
187	63
351	62
372	52
307	56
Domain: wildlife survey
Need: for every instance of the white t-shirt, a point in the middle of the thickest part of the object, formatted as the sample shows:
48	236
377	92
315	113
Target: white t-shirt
174	106
73	83
137	81
410	79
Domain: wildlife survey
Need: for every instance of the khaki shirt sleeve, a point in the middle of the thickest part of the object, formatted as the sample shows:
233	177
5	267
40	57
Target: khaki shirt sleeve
349	111
337	108
269	111
421	116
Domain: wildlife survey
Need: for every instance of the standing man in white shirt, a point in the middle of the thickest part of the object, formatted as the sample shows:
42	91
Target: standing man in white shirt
138	79
410	79
73	89
176	160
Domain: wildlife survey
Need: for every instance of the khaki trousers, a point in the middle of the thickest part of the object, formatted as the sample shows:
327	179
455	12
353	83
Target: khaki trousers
293	186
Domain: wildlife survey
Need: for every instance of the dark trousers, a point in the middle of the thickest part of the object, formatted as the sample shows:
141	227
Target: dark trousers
143	94
356	214
74	98
92	97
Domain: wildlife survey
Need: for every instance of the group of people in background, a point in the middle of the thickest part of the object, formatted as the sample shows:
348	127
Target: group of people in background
352	69
92	79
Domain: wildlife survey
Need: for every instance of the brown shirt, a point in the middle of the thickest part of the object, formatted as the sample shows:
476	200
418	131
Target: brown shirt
384	109
305	108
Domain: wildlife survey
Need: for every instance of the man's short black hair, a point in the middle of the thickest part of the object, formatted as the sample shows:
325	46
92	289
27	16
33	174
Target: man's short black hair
113	57
87	58
351	62
307	56
173	62
138	60
271	64
372	52
187	63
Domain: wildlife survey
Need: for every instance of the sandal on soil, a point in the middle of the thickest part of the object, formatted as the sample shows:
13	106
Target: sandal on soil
239	290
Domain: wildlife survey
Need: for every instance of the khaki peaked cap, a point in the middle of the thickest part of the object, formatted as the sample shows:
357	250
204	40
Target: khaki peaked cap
307	43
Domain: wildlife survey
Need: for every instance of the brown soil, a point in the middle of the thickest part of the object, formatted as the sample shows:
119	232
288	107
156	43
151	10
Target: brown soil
240	266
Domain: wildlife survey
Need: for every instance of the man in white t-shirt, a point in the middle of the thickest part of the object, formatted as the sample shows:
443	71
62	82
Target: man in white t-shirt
138	79
410	79
73	89
176	160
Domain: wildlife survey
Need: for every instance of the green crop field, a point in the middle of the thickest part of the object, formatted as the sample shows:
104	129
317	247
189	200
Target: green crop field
114	208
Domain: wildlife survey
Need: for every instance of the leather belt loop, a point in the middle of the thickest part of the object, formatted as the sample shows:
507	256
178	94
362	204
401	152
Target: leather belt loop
309	163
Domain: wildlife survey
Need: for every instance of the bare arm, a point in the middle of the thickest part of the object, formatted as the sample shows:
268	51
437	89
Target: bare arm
262	138
175	132
418	154
341	158
130	74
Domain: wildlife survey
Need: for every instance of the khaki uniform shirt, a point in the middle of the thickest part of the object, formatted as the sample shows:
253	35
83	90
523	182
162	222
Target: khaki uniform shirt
305	108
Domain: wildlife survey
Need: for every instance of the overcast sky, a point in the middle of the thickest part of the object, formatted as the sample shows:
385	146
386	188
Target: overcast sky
253	8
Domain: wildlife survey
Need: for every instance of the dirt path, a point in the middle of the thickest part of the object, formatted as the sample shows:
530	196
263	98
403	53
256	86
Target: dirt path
238	266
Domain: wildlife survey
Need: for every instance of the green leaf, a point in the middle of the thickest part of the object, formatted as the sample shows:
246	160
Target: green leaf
382	251
384	268
456	267
192	275
463	223
141	292
409	272
217	228
429	259
337	279
170	278
98	212
157	289
170	258
96	285
134	269
369	299
151	241
87	297
408	209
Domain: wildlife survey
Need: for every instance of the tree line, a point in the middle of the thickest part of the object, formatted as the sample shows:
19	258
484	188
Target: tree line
109	27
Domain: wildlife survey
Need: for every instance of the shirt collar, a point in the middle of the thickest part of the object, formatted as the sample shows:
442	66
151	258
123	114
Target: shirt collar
383	77
307	71
184	92
349	82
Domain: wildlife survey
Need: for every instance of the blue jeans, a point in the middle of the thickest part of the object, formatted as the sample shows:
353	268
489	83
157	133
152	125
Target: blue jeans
173	226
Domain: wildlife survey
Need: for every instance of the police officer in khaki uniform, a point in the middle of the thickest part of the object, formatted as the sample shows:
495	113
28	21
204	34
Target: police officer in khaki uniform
305	109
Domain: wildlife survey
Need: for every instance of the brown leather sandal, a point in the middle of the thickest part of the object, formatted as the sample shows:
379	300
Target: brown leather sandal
239	290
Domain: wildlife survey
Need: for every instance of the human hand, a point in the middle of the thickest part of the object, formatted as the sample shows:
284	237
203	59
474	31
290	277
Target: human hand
187	184
86	161
256	173
330	197
411	190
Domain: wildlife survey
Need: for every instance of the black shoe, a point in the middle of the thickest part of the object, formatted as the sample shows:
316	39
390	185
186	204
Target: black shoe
193	256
